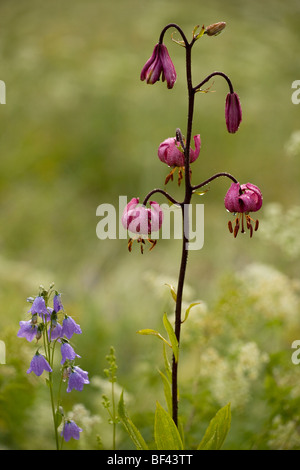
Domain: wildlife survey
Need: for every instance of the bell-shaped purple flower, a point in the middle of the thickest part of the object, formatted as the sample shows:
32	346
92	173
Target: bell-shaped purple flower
70	430
69	327
38	365
67	352
77	379
27	330
57	305
39	307
159	64
240	200
233	112
55	330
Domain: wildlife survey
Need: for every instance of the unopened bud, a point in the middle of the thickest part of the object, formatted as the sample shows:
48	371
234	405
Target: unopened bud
215	29
39	333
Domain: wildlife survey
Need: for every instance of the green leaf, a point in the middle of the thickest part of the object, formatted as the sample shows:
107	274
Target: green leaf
181	43
197	36
173	291
217	430
148	331
166	434
188	310
58	418
167	364
167	391
172	336
132	430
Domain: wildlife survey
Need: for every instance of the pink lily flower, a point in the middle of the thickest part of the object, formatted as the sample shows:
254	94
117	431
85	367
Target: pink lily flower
159	64
240	200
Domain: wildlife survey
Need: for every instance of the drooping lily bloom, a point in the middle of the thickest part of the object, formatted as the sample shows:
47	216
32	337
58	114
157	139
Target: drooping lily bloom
159	64
233	112
142	221
240	200
170	151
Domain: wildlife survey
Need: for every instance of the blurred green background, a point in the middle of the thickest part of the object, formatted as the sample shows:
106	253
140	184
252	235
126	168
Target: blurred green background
79	129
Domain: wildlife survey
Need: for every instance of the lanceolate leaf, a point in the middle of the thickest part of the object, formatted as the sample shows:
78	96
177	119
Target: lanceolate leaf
166	434
173	292
188	310
217	430
132	430
167	364
148	331
168	392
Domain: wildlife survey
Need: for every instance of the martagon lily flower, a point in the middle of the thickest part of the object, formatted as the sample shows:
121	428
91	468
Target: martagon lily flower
142	221
240	200
159	64
170	151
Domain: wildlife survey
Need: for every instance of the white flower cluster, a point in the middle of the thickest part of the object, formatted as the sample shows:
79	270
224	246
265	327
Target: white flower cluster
231	378
280	228
284	436
273	293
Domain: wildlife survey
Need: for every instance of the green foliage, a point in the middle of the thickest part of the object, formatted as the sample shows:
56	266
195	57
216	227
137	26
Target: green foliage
217	430
133	432
76	133
166	434
172	343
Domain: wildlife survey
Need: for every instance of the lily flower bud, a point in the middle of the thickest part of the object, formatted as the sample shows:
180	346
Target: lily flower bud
215	28
233	112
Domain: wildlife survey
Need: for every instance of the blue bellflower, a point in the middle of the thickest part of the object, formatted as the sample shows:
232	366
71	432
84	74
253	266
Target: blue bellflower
70	327
28	330
39	307
67	352
70	430
57	305
77	379
38	365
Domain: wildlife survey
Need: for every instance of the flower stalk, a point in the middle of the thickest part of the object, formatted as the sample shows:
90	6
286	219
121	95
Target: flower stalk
176	151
